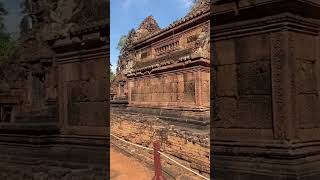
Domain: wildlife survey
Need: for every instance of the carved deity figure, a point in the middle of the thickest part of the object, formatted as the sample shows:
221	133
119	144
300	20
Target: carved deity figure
202	44
51	15
60	14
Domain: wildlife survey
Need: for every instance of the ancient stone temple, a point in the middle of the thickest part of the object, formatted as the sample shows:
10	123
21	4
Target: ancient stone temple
166	71
52	94
266	78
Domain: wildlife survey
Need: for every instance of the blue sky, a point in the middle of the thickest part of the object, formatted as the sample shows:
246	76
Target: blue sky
12	20
128	14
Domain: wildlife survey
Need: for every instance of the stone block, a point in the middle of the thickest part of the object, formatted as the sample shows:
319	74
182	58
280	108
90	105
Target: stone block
188	76
255	111
254	78
225	52
227	80
304	45
308	111
205	93
227	111
86	70
148	97
306	76
189	91
252	48
73	112
70	71
100	66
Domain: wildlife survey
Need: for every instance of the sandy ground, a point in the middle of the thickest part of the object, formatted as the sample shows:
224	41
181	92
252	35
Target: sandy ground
123	167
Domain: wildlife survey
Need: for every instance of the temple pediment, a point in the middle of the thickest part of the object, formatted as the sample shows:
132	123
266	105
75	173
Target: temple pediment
148	26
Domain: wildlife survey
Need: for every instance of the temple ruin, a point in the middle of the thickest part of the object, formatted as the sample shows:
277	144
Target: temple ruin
161	91
166	71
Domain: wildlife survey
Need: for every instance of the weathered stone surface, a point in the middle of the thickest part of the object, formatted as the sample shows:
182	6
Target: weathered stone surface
254	78
227	80
164	70
185	145
265	85
44	172
55	95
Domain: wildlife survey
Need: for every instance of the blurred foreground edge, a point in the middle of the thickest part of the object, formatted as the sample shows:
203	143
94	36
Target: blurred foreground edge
54	107
264	89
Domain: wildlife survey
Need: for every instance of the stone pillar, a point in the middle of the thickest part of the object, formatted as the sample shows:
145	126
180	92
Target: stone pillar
267	89
83	92
130	86
83	82
198	88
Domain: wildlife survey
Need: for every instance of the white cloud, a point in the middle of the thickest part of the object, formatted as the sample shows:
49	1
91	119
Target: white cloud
126	4
114	68
186	3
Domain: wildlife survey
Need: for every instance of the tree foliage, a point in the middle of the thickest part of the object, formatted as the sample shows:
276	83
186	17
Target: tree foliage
112	75
7	45
121	42
3	12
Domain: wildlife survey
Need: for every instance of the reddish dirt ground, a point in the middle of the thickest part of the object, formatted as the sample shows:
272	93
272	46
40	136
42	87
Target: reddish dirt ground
123	167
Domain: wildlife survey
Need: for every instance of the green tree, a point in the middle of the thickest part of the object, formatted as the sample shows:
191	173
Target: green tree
7	45
121	42
112	75
3	12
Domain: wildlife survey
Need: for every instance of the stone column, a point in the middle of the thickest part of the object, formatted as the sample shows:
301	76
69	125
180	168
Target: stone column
130	86
267	91
198	90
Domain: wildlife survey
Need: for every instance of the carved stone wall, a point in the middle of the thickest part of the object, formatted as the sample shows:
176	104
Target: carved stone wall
82	94
155	63
176	88
55	88
244	82
185	146
266	90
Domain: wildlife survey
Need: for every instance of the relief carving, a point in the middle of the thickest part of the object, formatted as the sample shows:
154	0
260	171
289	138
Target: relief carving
202	45
169	51
277	56
148	26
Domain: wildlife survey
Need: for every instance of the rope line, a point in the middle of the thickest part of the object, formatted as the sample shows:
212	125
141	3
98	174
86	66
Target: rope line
149	149
183	165
166	156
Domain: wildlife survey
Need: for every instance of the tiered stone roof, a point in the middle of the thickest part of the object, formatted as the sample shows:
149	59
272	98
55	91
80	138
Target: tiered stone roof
202	8
148	26
149	29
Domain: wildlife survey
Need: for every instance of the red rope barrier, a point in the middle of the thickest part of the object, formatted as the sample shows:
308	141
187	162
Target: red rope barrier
157	162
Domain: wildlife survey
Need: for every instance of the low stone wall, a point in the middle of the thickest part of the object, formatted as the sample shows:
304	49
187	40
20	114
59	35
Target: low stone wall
52	157
45	171
188	146
199	117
